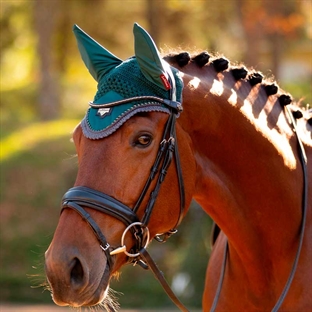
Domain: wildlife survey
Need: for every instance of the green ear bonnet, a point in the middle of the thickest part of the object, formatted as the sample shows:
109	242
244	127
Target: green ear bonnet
144	75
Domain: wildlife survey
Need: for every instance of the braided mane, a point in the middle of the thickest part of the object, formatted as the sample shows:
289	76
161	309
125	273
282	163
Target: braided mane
222	64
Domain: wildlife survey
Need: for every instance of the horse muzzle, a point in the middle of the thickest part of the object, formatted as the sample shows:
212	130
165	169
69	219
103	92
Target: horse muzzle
74	278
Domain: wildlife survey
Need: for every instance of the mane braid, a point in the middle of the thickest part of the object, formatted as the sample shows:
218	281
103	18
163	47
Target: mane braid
221	64
239	73
255	78
297	114
201	59
285	99
182	59
271	89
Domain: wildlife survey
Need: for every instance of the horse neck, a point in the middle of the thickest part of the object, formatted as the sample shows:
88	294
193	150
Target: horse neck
246	163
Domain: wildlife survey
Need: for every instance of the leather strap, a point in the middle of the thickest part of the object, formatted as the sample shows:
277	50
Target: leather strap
97	231
88	197
160	277
181	183
167	150
221	278
303	161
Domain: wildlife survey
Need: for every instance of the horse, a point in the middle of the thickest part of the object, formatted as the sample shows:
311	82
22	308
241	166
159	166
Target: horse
162	131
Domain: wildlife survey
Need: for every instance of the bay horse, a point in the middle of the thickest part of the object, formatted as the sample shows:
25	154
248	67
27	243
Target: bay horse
237	145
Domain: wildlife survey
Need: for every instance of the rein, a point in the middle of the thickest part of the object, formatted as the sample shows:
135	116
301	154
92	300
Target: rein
303	161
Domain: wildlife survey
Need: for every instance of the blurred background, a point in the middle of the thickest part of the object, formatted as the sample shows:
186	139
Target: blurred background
45	89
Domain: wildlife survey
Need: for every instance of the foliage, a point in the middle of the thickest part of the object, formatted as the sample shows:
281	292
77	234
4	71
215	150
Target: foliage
31	190
258	33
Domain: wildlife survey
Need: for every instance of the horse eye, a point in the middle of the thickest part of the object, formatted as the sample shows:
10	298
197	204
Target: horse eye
143	140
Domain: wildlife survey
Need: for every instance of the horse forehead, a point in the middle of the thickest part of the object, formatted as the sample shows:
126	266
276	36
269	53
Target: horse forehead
152	121
88	148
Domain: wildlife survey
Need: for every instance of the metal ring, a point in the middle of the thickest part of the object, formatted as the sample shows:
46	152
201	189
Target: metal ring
124	234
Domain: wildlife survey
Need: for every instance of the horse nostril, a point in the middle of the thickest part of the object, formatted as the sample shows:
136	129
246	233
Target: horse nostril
76	274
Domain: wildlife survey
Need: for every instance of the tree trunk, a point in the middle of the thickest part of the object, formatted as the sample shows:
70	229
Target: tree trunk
48	94
153	18
253	33
275	38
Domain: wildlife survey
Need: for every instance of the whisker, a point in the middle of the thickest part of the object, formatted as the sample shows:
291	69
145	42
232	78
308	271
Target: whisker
110	303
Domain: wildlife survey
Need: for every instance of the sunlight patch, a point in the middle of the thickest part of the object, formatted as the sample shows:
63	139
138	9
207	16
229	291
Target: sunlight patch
217	87
194	83
28	137
279	141
247	109
233	98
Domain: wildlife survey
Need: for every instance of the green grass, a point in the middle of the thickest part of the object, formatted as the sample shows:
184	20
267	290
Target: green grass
30	136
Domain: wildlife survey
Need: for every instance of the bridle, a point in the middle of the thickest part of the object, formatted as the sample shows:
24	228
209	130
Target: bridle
78	198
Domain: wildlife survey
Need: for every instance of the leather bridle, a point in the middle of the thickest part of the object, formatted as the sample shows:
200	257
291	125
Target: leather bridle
78	198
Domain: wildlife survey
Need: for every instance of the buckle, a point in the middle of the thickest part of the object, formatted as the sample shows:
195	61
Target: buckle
162	238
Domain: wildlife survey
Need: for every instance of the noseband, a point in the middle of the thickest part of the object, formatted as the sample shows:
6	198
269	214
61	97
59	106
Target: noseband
78	198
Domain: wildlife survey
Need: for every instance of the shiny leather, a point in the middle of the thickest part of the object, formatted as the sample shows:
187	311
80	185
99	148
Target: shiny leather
91	198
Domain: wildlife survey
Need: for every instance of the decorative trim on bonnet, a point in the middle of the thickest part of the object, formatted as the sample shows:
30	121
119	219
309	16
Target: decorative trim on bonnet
120	120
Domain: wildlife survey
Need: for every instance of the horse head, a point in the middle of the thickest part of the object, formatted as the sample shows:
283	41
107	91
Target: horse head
243	150
126	191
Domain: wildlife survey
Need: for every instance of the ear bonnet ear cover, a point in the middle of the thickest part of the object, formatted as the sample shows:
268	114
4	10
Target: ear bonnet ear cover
145	74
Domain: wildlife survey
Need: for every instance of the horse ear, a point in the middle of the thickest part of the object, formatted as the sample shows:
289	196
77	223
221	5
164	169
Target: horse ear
98	60
151	64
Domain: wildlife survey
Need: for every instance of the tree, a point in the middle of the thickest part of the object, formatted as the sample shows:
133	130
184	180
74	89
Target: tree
269	25
45	18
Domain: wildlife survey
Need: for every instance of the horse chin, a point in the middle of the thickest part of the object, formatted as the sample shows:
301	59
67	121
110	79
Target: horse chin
84	299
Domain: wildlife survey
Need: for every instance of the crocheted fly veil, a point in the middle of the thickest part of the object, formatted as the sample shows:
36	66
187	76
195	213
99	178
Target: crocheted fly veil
145	74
